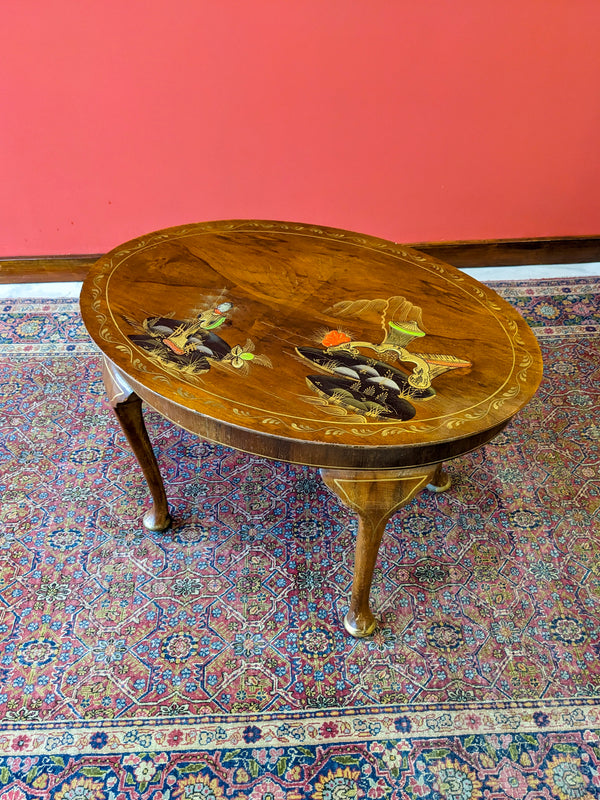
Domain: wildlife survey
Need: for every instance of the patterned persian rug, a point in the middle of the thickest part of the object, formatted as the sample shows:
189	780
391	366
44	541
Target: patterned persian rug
211	661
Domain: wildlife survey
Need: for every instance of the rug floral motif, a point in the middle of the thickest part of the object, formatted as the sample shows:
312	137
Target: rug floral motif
210	661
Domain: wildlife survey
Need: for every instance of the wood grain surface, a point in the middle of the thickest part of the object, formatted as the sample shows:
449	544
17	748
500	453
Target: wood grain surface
312	345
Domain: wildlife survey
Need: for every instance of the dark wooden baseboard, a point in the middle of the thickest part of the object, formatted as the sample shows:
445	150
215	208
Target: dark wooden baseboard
45	269
489	253
515	252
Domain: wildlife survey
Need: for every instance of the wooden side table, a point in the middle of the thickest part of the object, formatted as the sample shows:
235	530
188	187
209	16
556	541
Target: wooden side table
361	357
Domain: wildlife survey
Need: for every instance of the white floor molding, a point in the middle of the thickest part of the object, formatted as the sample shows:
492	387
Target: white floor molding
536	272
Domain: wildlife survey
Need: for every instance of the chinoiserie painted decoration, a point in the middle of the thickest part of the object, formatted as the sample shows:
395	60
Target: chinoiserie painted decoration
366	387
373	387
190	345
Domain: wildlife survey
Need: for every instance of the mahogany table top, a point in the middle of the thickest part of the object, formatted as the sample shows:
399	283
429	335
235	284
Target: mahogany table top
311	344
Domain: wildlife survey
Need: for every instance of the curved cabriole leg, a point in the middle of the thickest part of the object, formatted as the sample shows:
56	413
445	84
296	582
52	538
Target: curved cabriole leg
374	495
128	409
441	481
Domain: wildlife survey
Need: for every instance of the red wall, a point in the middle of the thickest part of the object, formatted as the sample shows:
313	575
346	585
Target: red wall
434	120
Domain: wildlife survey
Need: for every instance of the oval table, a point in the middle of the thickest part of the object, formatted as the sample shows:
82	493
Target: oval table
317	346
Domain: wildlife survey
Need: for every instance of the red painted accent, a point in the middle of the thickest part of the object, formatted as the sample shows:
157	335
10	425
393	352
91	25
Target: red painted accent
333	338
414	121
174	347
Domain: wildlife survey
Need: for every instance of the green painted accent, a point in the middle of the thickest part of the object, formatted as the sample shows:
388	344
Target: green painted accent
247	356
397	327
215	324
